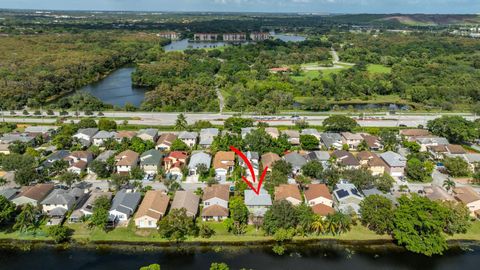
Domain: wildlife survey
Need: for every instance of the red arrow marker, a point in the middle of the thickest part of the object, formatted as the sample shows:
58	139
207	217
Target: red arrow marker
252	172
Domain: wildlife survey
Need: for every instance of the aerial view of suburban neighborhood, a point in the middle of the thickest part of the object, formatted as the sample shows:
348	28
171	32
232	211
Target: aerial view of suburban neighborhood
204	134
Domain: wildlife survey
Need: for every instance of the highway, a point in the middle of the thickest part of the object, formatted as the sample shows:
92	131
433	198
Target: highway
167	119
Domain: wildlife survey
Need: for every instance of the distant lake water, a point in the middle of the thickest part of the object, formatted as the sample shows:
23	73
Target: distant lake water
318	257
289	38
184	44
116	88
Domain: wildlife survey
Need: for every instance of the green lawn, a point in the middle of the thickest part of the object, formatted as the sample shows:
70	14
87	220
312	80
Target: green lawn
131	234
379	69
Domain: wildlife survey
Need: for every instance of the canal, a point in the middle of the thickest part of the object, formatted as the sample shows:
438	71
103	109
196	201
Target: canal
330	256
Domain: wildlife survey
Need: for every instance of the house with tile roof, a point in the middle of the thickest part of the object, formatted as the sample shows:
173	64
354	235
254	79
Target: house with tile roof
439	152
430	141
468	196
293	136
346	160
289	193
188	200
174	162
372	162
268	159
215	202
273	132
318	194
353	140
33	194
373	142
125	134
412	134
165	141
223	163
126	161
153	207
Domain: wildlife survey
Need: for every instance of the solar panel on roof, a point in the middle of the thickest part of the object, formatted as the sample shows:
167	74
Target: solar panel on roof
342	193
355	191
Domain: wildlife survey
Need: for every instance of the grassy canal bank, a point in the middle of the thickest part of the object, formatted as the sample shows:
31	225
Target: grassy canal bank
82	234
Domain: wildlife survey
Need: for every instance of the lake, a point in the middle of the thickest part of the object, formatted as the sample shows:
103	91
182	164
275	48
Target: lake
116	88
327	256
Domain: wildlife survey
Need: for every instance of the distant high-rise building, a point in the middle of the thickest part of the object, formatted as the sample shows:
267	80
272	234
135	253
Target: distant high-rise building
169	35
234	37
259	36
205	37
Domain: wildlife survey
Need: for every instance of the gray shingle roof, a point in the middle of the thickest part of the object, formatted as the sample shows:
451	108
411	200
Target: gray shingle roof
105	155
262	199
432	140
126	202
102	134
295	159
59	196
328	139
151	157
184	135
186	199
149	131
199	158
90	132
318	155
393	159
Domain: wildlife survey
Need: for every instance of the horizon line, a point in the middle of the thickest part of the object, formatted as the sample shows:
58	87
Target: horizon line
235	12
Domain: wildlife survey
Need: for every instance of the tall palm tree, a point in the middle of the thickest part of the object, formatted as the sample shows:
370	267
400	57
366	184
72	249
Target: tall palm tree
27	219
449	184
318	225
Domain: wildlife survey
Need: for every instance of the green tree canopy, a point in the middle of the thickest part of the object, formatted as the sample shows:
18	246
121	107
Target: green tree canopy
455	128
377	214
339	123
177	225
309	142
106	124
281	214
456	166
419	225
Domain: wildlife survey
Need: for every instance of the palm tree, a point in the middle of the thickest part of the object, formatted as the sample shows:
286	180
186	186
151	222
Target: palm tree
27	219
449	184
339	223
181	122
318	225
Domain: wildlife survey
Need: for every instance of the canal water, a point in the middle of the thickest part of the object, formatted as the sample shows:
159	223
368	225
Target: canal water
313	257
117	89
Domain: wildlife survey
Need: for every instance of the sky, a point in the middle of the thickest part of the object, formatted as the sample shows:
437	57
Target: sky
314	6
